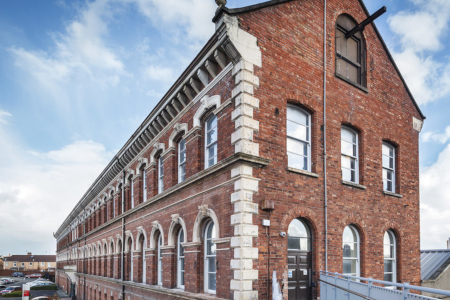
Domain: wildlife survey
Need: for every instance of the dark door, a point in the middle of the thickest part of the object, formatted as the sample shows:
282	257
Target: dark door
299	275
299	260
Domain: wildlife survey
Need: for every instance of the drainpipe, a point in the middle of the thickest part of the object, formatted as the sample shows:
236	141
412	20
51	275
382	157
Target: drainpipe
325	130
122	259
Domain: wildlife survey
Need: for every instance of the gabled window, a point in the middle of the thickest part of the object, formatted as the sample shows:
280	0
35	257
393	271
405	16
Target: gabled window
181	161
388	153
160	174
211	141
350	53
389	251
349	155
298	138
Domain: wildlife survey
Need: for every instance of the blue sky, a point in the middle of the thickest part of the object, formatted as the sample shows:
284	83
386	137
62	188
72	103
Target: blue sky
78	77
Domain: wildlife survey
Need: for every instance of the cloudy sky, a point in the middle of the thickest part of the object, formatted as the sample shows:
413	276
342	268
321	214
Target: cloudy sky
78	77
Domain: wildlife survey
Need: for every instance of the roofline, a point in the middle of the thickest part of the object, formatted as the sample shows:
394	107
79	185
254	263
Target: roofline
247	9
210	43
392	60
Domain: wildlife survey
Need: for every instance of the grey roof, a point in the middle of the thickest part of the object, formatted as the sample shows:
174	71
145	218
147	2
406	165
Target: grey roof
434	262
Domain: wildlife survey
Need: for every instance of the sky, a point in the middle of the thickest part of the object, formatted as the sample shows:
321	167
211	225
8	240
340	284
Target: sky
78	77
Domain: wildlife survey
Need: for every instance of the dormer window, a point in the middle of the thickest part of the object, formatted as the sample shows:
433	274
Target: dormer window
350	53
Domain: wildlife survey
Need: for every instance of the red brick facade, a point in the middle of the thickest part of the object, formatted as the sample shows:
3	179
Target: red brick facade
249	92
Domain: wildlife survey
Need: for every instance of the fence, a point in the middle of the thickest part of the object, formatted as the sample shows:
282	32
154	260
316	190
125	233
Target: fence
334	286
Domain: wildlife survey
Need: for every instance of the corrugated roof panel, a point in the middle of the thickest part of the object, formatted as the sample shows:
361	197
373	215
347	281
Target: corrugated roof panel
433	263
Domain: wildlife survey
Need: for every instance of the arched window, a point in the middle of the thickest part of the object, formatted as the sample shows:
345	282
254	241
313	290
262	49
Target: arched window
180	261
181	160
159	264
144	184
142	259
210	258
160	174
388	153
350	53
350	248
349	155
211	141
298	138
389	250
132	191
299	237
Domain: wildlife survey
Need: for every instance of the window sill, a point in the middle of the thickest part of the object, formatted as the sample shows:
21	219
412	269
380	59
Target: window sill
307	173
357	85
349	183
392	194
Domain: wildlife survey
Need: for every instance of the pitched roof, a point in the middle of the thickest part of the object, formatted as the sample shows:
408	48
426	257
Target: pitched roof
433	263
31	258
247	9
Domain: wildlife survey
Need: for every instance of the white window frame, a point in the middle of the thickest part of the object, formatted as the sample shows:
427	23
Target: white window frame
160	174
42	264
387	168
132	191
207	257
30	264
308	141
49	264
356	158
144	185
394	259
6	263
213	143
181	164
23	264
357	258
180	257
15	265
159	263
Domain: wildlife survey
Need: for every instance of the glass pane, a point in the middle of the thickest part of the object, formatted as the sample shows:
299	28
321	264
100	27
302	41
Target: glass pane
212	281
388	265
387	238
297	229
348	135
389	186
346	162
182	264
340	67
211	123
347	266
352	73
352	50
293	243
182	278
297	161
353	176
297	116
297	147
305	244
211	136
385	150
388	277
346	174
212	264
298	131
347	148
391	162
182	145
385	161
387	251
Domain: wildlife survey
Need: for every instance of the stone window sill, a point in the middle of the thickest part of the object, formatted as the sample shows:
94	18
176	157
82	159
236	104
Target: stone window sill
349	183
392	194
357	85
307	173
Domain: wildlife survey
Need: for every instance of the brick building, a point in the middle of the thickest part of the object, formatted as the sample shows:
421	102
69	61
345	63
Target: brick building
251	131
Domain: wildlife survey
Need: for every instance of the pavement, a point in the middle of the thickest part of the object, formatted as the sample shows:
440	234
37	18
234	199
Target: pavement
21	281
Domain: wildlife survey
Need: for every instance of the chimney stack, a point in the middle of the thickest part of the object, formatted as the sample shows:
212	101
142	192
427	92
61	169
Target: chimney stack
29	253
448	243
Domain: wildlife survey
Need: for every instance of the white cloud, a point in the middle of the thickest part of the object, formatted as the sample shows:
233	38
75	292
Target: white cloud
440	137
160	73
435	196
3	116
38	189
428	78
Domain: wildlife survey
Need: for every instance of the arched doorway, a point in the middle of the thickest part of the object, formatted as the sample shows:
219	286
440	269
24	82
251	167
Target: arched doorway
299	260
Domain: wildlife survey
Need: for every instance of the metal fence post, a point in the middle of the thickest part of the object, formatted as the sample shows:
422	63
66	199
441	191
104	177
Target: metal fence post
370	283
348	287
405	290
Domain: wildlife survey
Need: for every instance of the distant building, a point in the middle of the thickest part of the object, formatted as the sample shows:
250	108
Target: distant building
29	262
435	265
2	259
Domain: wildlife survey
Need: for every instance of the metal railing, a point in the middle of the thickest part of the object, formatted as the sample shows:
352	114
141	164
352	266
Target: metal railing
335	286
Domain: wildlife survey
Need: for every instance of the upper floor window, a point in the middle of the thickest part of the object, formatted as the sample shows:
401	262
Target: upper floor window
298	138
132	191
389	251
350	53
181	160
388	153
160	174
144	185
349	155
211	141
